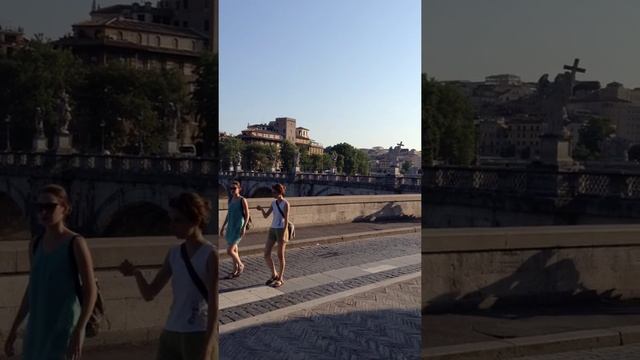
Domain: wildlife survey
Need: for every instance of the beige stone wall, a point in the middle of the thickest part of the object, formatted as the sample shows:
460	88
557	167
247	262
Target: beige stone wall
155	40
328	210
480	268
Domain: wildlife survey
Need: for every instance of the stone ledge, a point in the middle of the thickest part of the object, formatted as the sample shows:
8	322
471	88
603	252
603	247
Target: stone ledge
528	346
331	200
525	238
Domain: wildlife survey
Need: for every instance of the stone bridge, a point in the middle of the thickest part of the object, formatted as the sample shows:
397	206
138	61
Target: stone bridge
489	197
259	184
128	196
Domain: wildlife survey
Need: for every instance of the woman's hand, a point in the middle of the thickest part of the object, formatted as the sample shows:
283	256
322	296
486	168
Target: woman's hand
222	232
259	208
9	348
127	268
75	344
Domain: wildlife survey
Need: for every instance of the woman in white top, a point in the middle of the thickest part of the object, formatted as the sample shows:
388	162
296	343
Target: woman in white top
278	233
191	330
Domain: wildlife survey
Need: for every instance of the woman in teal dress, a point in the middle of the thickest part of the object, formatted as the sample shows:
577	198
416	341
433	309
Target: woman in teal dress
57	319
236	225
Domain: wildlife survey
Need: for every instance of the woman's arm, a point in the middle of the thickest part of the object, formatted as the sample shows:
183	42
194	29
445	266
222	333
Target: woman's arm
286	219
245	213
265	213
84	262
212	323
87	276
148	291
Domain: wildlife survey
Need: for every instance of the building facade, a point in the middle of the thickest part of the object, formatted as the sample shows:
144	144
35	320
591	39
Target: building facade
280	130
11	40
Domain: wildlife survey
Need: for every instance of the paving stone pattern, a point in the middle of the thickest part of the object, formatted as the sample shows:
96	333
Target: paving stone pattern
320	258
278	302
627	352
379	324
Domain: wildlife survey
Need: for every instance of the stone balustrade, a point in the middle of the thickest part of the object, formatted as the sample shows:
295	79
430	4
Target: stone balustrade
534	181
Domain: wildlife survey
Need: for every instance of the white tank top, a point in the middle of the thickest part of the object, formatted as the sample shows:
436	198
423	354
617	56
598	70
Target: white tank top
189	310
278	220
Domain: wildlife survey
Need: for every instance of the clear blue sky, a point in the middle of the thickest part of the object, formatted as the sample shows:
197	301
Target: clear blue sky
469	39
348	70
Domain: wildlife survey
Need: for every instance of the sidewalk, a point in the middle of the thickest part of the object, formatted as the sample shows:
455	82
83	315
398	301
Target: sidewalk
530	331
254	241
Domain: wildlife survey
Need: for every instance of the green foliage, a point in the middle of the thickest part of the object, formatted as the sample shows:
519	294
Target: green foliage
288	152
230	147
448	132
592	134
350	160
406	167
205	97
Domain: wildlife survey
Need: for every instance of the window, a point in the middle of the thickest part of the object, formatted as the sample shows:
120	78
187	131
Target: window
177	5
120	35
185	4
158	41
193	45
206	4
141	17
175	43
139	38
206	25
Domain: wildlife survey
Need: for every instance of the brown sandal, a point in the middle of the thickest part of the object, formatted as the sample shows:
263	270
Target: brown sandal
277	283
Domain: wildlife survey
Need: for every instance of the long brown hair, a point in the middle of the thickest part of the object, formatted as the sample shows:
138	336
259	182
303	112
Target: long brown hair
193	206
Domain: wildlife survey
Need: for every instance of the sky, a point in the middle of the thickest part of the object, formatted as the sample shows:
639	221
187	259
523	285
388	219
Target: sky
48	17
348	70
470	39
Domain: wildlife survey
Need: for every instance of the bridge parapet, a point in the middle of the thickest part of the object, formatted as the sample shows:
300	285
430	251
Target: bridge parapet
479	268
567	184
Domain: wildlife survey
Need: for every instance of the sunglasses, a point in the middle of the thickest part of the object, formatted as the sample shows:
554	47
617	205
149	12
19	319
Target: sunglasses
46	206
233	188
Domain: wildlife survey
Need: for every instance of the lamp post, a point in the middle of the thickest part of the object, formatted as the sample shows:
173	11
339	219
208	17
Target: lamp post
7	121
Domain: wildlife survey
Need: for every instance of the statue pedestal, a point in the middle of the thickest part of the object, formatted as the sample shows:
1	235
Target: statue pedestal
40	144
171	146
555	150
62	144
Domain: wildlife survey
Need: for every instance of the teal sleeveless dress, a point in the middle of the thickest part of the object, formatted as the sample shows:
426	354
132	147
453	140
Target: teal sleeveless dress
235	222
54	308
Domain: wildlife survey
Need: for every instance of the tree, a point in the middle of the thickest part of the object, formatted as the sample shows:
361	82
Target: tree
350	160
288	152
448	132
205	96
40	74
230	148
406	167
592	134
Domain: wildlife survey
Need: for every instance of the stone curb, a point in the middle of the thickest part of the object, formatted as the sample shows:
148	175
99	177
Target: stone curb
537	345
258	249
274	316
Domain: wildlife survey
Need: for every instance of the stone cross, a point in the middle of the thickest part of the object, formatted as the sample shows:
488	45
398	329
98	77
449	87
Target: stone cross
574	68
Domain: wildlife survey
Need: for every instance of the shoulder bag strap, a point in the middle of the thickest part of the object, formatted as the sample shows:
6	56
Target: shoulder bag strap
74	269
192	272
281	212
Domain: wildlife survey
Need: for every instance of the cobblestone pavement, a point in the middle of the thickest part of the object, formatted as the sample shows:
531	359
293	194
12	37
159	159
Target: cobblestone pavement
628	352
317	259
379	324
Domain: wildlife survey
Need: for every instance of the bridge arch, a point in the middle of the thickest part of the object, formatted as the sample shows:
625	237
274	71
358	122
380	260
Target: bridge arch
634	152
261	192
124	198
138	219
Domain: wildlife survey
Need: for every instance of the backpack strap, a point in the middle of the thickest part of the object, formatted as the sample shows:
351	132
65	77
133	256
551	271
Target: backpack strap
74	269
192	272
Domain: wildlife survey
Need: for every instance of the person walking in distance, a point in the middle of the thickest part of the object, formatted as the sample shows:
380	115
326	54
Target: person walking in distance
278	233
191	331
58	310
236	223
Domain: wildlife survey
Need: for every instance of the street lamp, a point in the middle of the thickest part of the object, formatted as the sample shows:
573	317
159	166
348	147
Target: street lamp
102	125
7	121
